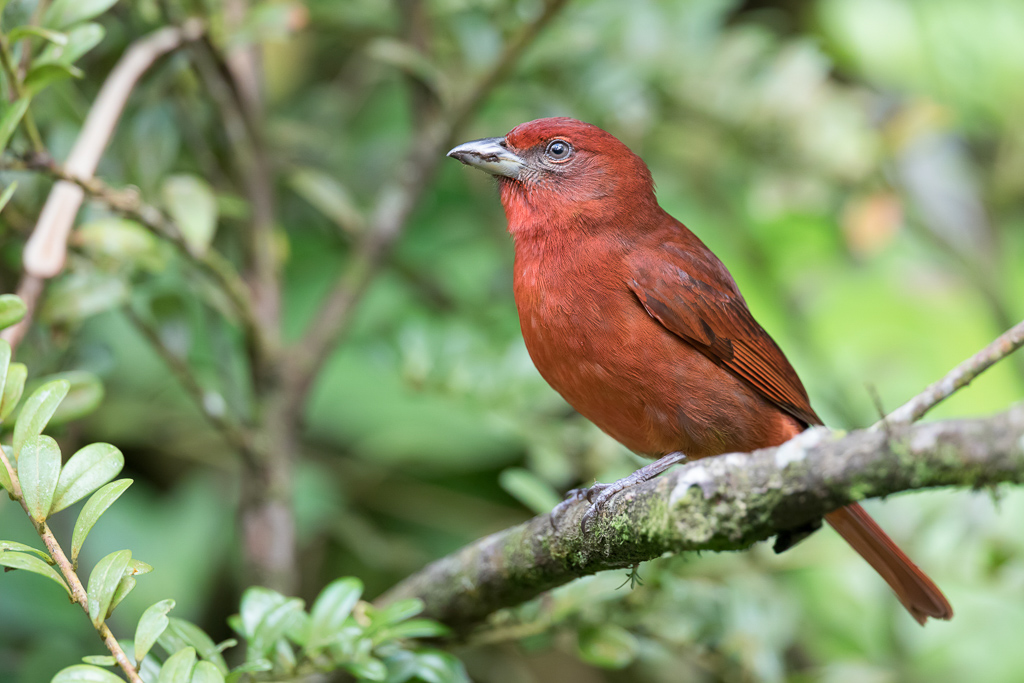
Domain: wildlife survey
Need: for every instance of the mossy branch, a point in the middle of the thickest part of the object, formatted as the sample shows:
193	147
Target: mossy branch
727	502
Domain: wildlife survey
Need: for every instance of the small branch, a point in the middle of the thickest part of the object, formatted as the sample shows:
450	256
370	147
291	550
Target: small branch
266	516
243	62
78	592
46	249
727	502
80	596
232	432
957	378
242	122
18	90
395	203
128	203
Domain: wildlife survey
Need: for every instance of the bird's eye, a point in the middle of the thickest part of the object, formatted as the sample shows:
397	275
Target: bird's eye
558	150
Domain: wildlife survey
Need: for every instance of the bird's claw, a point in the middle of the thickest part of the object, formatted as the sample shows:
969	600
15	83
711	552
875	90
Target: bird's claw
597	495
571	496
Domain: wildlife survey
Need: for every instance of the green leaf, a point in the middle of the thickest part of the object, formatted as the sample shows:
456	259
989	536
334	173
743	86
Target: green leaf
55	37
205	672
414	628
401	666
331	608
125	586
369	669
184	633
117	242
42	75
284	656
80	40
239	672
100	660
330	197
103	582
17	373
193	206
33	564
87	470
64	13
10	120
22	548
5	477
178	667
137	567
81	294
151	625
396	612
434	666
226	644
171	319
85	673
38	470
407	58
84	395
5	362
12	308
4	198
274	625
92	510
37	411
607	646
256	603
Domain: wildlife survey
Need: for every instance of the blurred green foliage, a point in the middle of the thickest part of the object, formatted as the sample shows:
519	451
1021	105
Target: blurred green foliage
859	166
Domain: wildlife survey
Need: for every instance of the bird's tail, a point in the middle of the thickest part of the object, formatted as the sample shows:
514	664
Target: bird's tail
915	590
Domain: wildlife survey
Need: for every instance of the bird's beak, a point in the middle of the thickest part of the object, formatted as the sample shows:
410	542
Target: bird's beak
490	155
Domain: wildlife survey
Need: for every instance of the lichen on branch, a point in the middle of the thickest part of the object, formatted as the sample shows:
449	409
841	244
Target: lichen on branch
728	502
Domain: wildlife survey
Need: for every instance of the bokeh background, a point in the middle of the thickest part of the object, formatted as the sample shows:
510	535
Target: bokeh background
859	167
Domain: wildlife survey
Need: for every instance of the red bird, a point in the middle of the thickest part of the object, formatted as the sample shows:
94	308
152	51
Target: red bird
642	329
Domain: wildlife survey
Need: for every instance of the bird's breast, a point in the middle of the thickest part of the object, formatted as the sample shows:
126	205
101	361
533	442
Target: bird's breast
594	343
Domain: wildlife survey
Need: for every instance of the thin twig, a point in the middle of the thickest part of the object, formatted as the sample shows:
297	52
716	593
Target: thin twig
80	596
18	90
26	43
395	203
130	204
242	122
78	592
265	515
957	378
232	432
46	249
232	82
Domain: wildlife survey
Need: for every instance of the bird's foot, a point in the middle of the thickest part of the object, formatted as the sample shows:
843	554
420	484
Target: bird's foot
599	494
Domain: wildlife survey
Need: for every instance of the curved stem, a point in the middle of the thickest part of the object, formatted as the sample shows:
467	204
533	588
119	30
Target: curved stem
78	592
957	378
79	595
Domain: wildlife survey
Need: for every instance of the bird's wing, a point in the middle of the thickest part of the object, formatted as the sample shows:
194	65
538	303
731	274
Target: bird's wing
687	289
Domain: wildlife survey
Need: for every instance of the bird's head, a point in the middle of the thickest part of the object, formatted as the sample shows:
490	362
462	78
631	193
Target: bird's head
562	174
